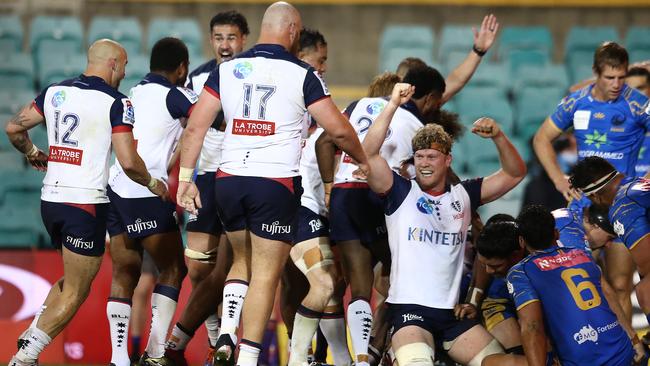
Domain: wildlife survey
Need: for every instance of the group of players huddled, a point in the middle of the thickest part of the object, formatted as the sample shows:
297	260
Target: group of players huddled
281	187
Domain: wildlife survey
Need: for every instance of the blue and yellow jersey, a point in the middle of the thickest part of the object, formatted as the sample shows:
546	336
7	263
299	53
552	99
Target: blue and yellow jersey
629	211
613	130
568	223
643	161
497	305
578	319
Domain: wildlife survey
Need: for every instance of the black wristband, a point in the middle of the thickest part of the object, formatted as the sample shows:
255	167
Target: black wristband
478	52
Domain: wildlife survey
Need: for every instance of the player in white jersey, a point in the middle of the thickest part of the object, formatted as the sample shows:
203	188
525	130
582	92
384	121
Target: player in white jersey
305	306
265	93
84	117
137	219
427	221
205	236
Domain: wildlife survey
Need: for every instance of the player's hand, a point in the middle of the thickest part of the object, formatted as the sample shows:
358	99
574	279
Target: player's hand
38	161
362	172
639	352
402	93
486	127
485	36
160	190
188	197
462	311
563	186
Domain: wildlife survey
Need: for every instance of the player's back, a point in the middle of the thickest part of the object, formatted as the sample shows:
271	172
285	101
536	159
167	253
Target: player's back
81	114
582	327
396	147
264	94
568	223
629	211
158	106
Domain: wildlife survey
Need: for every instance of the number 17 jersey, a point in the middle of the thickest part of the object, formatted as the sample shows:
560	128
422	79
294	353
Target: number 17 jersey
583	328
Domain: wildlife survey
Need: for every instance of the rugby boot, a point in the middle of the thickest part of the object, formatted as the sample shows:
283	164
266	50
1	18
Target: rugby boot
224	354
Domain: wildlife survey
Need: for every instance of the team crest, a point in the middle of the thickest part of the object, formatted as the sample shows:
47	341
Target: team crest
618	120
129	115
619	229
456	206
58	98
599	115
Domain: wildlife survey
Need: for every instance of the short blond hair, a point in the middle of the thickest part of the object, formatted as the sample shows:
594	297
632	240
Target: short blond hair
432	136
382	85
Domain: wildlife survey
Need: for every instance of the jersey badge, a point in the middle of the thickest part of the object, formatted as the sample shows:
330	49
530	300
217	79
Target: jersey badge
619	229
189	94
597	139
242	70
128	117
58	98
375	108
586	333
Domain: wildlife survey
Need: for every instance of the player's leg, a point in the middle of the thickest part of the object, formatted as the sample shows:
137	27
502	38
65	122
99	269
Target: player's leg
294	287
619	270
166	250
476	347
140	306
500	321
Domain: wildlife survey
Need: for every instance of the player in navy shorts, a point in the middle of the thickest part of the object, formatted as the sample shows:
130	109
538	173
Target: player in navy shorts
84	117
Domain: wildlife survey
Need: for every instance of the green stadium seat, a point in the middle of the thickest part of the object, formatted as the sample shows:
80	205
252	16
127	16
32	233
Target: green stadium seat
637	39
588	39
11	34
550	75
27	180
20	226
520	46
12	161
517	59
61	67
136	70
474	107
395	55
125	30
11	102
637	55
186	29
579	71
16	71
455	38
38	135
54	35
453	59
491	75
5	145
399	41
533	104
482	157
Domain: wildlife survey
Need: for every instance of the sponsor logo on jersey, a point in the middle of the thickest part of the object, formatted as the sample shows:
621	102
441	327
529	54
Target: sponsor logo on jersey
252	128
242	70
375	108
597	139
139	226
586	333
560	213
511	288
619	229
426	205
65	155
58	98
128	117
315	225
79	243
599	115
422	235
276	228
607	155
565	259
411	317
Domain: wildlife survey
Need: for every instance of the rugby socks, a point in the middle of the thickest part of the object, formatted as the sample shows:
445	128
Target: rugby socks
360	323
163	306
333	327
305	324
212	324
249	352
31	345
234	292
179	338
118	312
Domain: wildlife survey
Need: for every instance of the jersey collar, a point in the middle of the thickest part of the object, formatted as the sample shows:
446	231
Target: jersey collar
411	107
157	79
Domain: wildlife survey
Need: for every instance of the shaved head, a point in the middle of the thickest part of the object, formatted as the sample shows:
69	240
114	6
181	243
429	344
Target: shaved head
107	59
281	24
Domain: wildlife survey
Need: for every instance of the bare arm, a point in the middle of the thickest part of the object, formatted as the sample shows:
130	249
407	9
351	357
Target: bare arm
380	178
513	167
483	40
612	300
132	164
339	129
16	129
533	334
326	156
542	144
203	114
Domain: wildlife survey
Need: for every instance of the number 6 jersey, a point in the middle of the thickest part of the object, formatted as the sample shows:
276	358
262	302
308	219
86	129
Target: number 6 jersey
81	115
582	327
264	95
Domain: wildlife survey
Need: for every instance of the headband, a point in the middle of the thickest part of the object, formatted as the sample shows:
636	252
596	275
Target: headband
596	186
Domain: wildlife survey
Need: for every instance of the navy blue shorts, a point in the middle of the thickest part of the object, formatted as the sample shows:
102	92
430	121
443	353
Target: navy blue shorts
265	206
356	213
310	225
79	227
441	323
140	217
207	221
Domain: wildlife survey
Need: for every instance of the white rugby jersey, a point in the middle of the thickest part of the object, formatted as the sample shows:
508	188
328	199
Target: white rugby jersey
211	151
397	145
81	114
158	106
427	235
313	196
264	94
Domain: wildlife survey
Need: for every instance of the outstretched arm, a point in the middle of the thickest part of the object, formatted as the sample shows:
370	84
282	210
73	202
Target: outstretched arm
513	167
483	40
380	178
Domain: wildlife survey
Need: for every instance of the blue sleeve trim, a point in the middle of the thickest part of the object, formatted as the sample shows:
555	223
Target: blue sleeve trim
180	102
314	87
473	189
396	195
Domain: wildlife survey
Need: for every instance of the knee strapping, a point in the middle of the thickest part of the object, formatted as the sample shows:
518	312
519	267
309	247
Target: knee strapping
298	254
419	354
492	348
208	257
